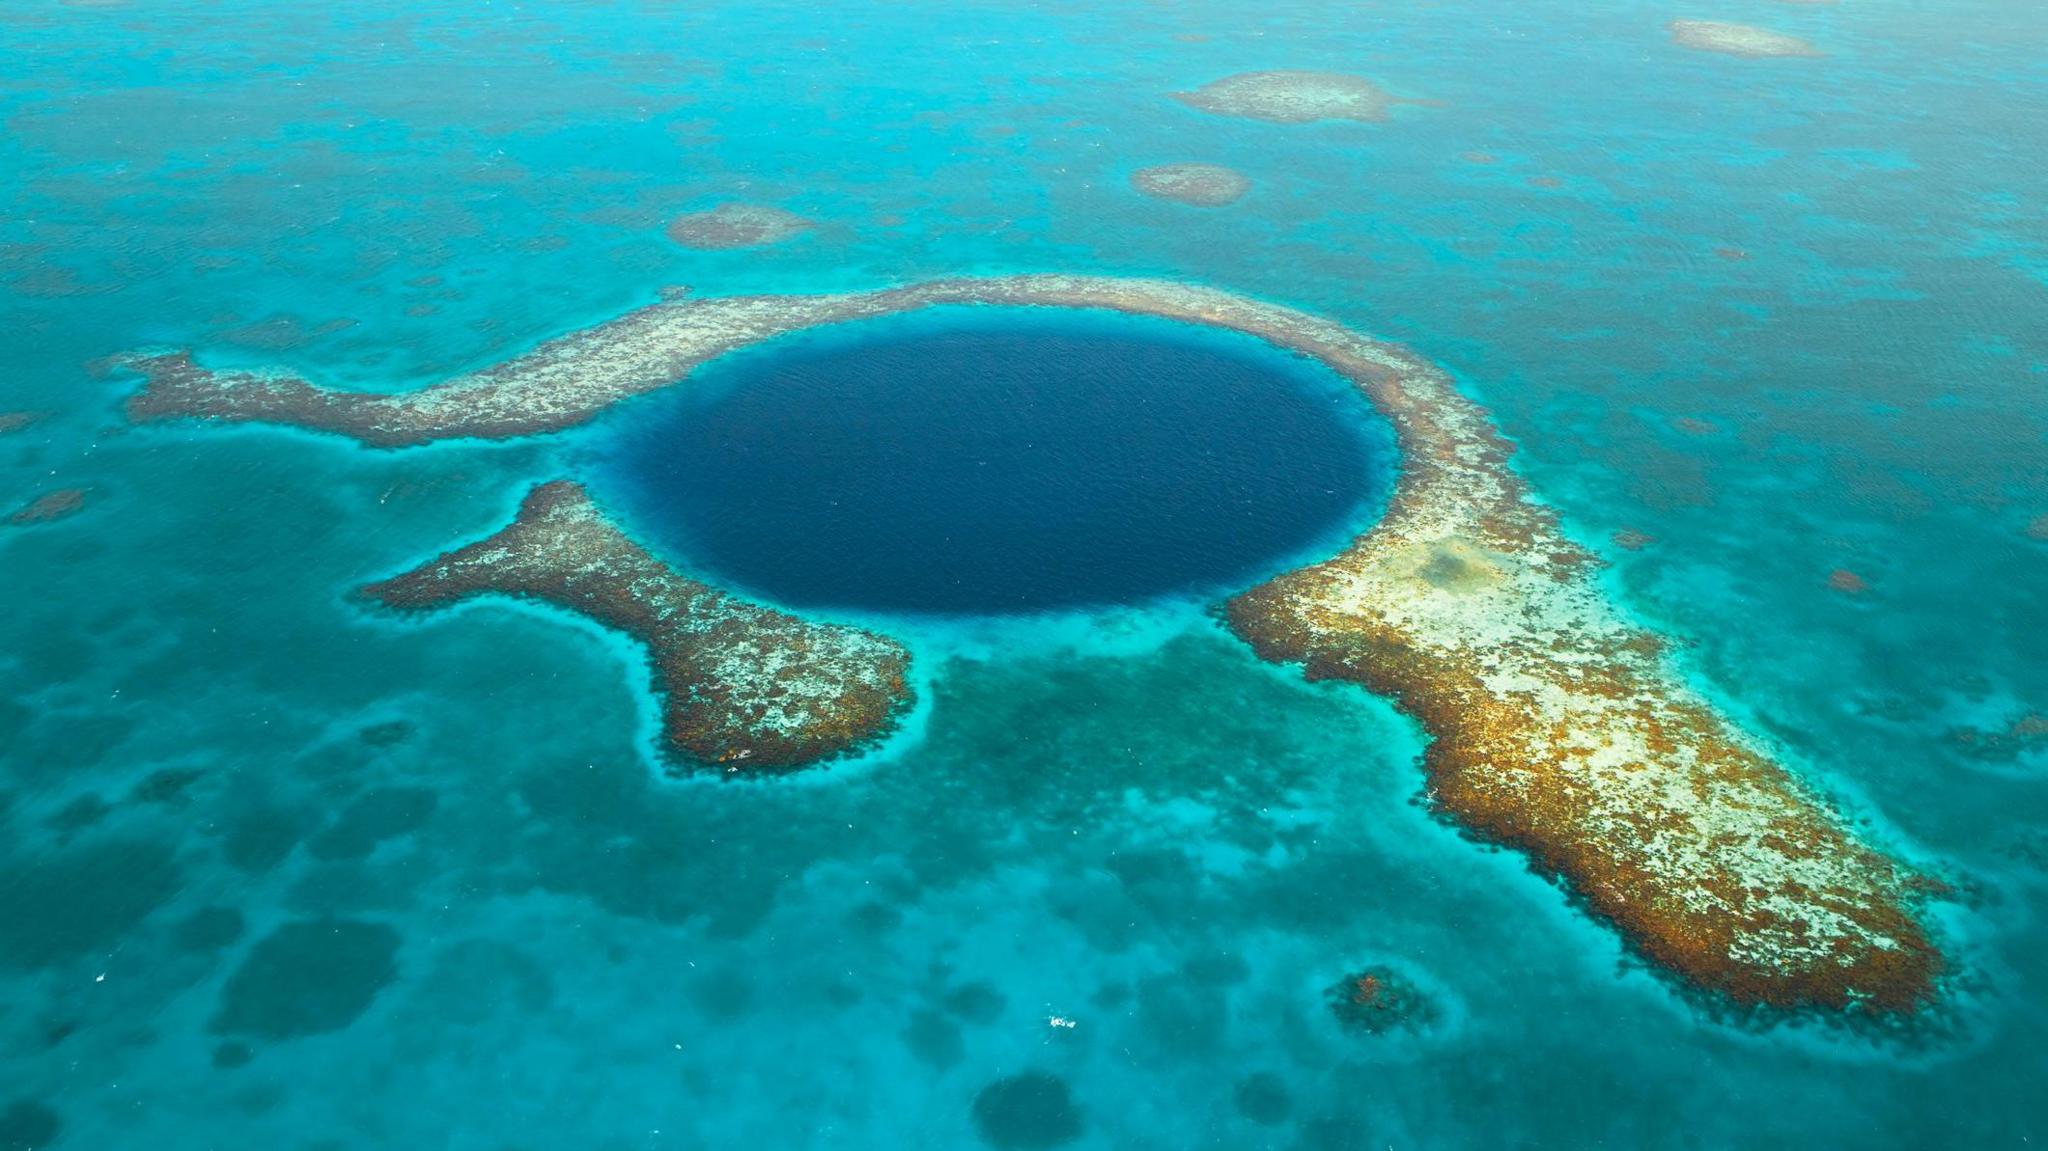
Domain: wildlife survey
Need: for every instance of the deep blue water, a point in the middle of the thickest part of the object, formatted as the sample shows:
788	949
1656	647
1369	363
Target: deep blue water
976	464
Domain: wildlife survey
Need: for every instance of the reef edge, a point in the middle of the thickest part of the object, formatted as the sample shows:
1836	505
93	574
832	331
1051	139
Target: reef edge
745	688
1559	726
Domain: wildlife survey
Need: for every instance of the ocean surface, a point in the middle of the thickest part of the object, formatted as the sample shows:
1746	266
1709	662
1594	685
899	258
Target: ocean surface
280	871
976	462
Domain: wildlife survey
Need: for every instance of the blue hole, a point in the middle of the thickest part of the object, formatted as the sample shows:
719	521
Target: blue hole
997	461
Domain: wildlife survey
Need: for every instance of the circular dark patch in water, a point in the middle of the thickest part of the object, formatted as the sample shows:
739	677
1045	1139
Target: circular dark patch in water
1262	1098
998	461
28	1124
1026	1113
308	977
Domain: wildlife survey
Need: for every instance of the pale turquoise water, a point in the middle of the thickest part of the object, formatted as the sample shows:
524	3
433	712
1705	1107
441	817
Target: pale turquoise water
1126	822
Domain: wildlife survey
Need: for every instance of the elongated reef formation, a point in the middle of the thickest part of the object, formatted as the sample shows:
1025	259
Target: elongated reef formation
1738	39
743	686
1293	97
1559	726
1377	1001
49	506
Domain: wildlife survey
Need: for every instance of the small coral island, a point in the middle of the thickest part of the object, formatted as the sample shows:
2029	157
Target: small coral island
1560	727
1379	1001
1293	97
1738	39
736	226
54	505
743	686
1203	185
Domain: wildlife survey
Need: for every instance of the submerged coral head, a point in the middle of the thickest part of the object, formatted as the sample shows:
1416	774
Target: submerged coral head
736	226
1293	97
1202	185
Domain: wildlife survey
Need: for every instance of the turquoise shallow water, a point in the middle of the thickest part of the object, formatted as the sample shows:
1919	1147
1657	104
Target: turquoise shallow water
1787	317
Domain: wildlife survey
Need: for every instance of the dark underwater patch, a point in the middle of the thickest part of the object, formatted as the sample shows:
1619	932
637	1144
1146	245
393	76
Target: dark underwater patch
1262	1098
1379	1000
379	814
60	745
209	929
934	1039
724	993
975	1002
307	978
1218	969
28	1125
14	719
390	733
873	918
997	465
260	839
79	814
166	786
1182	1016
81	899
1026	1112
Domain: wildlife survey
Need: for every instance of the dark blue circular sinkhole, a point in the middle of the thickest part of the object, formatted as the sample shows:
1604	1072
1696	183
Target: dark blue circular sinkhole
997	461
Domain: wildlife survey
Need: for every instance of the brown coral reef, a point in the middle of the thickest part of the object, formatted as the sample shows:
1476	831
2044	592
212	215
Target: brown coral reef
1559	726
736	226
1203	185
49	506
745	687
1378	1001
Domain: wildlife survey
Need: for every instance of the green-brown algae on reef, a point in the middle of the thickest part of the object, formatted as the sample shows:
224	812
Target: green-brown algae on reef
49	506
1559	726
744	687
